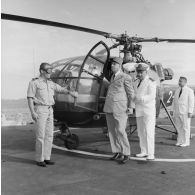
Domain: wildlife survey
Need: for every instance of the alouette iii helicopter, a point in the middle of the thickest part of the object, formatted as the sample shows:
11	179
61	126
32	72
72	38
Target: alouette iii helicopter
89	76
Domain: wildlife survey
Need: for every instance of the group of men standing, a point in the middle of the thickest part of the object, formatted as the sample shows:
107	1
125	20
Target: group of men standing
123	96
123	93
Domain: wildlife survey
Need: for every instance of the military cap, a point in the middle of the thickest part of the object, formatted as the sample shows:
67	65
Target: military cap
118	60
141	67
129	67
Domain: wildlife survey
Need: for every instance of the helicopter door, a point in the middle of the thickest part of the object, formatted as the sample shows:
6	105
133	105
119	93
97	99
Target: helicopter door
91	77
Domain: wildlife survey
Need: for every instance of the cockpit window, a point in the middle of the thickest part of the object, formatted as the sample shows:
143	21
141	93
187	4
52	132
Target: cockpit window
64	69
92	68
66	74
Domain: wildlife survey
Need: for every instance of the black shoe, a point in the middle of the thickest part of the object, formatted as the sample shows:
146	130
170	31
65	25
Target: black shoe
41	164
49	162
116	156
124	160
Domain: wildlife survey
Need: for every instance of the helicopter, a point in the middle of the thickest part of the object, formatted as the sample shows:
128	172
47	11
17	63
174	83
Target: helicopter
90	75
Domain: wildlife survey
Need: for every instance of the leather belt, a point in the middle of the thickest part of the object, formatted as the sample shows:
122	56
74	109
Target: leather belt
49	106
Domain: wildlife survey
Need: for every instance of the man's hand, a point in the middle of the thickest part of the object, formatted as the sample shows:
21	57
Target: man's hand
74	93
34	116
129	110
189	115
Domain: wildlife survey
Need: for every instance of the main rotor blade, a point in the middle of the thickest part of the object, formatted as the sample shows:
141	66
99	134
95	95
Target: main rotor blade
51	23
166	40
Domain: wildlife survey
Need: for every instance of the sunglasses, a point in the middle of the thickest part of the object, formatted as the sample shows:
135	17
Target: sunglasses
48	71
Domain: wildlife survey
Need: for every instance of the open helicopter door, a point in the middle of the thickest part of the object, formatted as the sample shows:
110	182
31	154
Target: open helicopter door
91	77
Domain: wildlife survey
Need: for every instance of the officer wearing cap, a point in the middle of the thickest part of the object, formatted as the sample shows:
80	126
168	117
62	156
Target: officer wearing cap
145	95
129	68
118	100
40	97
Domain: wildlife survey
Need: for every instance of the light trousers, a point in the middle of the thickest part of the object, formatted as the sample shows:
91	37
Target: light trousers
146	133
44	133
116	129
183	126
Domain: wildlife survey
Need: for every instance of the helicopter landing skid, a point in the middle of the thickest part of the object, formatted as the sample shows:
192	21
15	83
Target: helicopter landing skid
71	141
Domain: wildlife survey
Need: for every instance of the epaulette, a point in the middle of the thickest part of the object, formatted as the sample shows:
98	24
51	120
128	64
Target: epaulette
33	79
151	79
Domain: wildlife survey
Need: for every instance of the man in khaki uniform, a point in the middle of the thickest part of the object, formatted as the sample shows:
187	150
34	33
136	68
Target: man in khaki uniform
118	100
40	100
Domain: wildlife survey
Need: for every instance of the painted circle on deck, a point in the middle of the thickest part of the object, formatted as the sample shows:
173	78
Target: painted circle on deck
131	158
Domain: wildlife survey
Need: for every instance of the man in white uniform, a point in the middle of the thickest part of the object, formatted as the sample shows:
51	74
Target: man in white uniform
183	105
40	100
118	100
145	96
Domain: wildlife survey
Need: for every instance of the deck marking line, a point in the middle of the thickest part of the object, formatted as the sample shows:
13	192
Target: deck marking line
132	158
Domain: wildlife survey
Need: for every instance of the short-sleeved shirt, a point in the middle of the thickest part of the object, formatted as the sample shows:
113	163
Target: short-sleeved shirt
42	91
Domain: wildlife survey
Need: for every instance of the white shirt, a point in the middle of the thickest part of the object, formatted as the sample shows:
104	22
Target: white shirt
42	91
115	74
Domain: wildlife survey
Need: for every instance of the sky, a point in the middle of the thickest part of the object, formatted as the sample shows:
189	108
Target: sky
25	46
